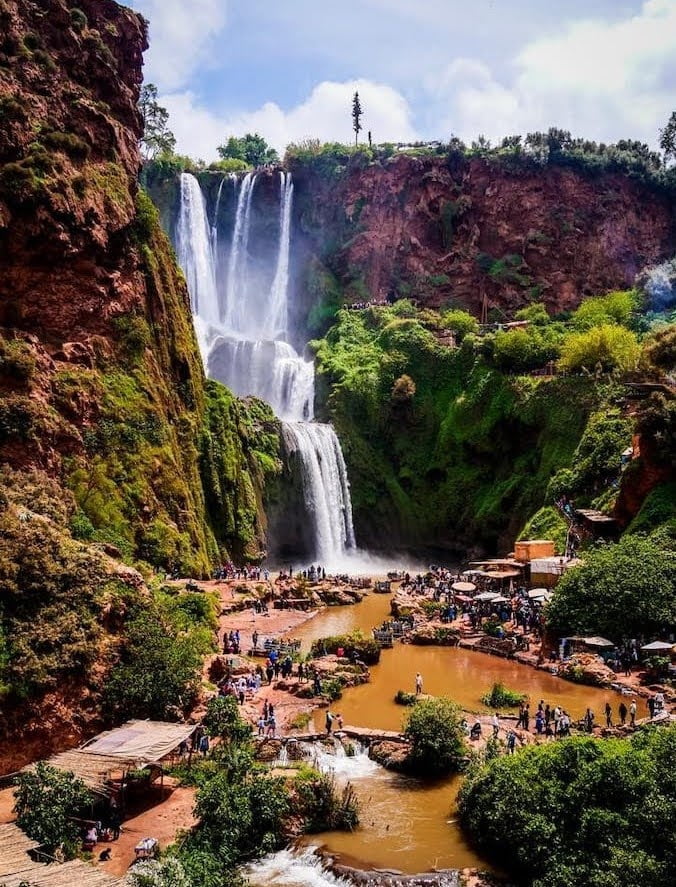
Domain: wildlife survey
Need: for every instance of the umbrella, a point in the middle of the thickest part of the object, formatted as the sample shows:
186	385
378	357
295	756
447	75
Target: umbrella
598	642
500	600
463	598
537	592
657	646
486	596
463	586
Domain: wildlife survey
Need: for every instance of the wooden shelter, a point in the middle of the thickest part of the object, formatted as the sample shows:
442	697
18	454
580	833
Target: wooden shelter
115	753
19	869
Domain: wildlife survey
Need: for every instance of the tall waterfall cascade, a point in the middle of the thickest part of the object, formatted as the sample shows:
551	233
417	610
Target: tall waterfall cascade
242	320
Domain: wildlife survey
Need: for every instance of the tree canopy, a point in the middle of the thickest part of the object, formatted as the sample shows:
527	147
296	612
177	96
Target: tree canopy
621	591
579	811
251	148
668	138
436	737
157	138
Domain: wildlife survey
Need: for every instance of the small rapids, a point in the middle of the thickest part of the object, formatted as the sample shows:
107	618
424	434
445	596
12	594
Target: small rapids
293	868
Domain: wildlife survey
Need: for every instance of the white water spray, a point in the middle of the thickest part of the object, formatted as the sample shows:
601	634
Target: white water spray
246	346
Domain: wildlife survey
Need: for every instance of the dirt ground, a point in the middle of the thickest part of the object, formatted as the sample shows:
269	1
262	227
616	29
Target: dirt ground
161	821
7	805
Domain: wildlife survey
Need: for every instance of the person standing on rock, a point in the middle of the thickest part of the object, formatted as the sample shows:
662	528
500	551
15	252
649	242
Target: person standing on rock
329	723
418	684
495	721
609	715
623	713
632	713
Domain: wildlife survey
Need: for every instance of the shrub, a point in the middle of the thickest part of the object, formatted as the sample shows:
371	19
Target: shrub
78	19
17	360
605	347
401	697
500	696
332	689
436	737
323	806
613	308
68	143
158	675
621	591
403	390
46	802
355	645
601	813
222	718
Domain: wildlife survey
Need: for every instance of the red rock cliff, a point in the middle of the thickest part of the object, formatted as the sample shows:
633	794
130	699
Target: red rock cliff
441	229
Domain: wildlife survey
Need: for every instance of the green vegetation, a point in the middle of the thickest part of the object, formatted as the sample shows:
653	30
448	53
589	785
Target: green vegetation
621	591
547	523
401	697
353	645
579	811
157	140
437	739
252	149
500	696
46	800
158	675
472	453
604	348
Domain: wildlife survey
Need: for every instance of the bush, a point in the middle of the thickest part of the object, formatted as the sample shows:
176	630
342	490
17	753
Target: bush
46	802
613	308
158	675
500	696
436	737
222	718
68	143
605	348
621	591
580	811
322	805
78	19
460	322
401	697
355	645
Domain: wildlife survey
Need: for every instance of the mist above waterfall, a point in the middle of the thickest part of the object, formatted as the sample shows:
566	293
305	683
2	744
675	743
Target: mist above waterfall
240	298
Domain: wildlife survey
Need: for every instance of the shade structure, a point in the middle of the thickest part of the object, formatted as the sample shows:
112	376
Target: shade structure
537	592
657	647
598	642
486	596
464	587
500	599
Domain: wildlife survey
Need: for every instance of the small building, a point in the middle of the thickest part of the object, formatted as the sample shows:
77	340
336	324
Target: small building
528	549
597	524
546	571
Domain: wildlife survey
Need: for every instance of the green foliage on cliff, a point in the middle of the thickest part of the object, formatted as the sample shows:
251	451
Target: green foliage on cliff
579	811
621	591
469	456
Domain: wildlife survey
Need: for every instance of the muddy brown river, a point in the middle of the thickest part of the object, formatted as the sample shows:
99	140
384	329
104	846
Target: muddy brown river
408	825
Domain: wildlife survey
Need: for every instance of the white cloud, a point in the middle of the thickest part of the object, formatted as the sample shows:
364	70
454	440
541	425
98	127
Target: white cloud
181	37
599	80
325	114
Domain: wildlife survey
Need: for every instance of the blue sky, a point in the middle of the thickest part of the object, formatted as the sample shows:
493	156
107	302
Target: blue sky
605	69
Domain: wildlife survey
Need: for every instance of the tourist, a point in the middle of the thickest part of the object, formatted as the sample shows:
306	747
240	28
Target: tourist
511	742
418	684
539	722
632	713
339	721
623	713
475	732
266	710
301	672
609	715
204	745
272	725
329	722
526	716
261	726
659	701
316	684
651	706
254	638
589	720
495	721
557	719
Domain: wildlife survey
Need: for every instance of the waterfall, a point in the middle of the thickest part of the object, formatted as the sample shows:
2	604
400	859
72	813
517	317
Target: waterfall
271	370
293	868
245	345
326	490
660	284
196	258
277	321
235	292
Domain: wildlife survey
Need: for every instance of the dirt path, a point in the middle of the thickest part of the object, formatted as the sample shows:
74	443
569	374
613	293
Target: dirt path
161	821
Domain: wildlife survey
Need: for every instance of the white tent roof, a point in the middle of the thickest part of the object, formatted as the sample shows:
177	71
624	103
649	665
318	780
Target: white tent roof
657	645
144	741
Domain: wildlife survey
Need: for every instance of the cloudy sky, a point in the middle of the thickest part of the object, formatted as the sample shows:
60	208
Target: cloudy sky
604	69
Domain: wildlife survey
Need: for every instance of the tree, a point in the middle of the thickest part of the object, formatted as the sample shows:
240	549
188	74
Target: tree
607	347
436	737
668	138
47	799
251	148
356	117
587	811
621	591
157	138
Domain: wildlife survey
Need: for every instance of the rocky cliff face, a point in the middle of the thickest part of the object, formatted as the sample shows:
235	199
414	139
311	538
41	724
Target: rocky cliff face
112	446
446	229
